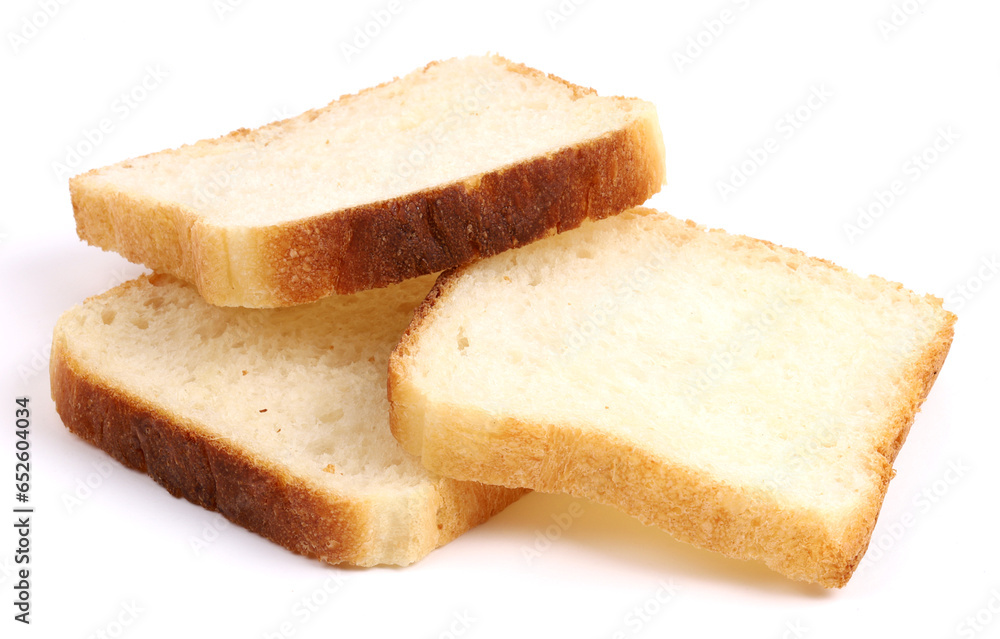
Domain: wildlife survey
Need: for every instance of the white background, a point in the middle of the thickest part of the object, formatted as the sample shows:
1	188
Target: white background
122	560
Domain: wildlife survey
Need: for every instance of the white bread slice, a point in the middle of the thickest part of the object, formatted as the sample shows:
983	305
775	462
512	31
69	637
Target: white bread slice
275	418
461	159
742	396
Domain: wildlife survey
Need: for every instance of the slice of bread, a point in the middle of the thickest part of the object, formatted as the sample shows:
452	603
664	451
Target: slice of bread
275	418
461	159
742	396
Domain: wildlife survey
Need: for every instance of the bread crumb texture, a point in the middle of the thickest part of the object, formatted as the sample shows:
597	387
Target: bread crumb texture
461	159
275	417
741	395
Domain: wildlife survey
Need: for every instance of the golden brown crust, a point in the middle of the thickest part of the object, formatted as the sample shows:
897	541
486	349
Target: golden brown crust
381	243
690	504
466	504
260	496
406	418
918	380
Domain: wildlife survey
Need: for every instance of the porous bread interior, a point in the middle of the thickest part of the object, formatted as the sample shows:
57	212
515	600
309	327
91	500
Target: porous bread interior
450	121
302	387
770	371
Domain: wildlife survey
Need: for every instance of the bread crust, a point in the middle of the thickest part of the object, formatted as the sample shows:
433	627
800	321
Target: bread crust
380	243
688	503
262	496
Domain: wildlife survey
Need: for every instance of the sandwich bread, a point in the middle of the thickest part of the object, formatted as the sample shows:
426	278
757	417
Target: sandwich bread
277	419
740	395
461	159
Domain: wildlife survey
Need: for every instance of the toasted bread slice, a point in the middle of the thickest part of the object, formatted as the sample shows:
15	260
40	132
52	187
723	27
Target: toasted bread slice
275	418
742	396
461	159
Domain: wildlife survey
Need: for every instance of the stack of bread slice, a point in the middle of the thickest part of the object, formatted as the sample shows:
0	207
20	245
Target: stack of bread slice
294	364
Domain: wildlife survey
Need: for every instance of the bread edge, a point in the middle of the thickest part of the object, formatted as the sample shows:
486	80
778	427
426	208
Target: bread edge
811	554
380	243
254	493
